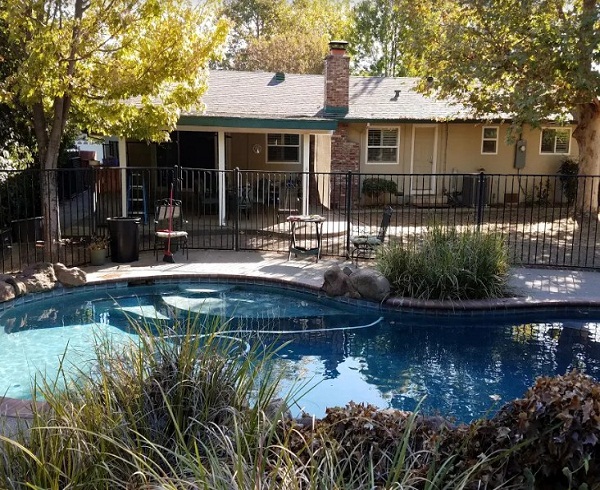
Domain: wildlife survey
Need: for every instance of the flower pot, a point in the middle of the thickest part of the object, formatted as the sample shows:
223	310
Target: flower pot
98	256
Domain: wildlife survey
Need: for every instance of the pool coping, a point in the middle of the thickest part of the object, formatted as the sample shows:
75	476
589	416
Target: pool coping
12	409
516	303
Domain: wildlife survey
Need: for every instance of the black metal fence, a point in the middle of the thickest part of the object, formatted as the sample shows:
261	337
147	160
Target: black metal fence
547	220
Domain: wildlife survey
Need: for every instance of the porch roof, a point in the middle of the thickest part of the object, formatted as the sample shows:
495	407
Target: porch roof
314	125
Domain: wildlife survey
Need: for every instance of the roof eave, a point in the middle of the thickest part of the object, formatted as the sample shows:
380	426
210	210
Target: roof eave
301	124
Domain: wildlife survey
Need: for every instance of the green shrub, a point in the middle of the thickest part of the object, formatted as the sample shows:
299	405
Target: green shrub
568	171
374	187
447	265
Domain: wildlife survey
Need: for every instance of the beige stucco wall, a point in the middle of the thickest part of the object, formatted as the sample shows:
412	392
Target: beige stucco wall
241	154
459	152
464	151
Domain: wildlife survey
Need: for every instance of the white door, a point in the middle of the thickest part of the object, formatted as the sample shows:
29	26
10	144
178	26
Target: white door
423	164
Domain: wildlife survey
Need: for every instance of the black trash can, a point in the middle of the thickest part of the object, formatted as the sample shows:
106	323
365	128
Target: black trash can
124	239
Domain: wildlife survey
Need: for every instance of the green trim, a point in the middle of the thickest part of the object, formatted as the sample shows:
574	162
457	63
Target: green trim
336	111
251	123
417	121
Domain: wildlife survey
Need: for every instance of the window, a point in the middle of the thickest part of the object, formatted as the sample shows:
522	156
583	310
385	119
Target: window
555	140
489	140
382	146
283	148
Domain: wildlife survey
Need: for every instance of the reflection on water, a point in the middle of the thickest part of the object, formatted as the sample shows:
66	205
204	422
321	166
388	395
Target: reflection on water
461	367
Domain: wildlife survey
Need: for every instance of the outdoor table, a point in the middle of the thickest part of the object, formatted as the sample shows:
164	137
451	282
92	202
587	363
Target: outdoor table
294	247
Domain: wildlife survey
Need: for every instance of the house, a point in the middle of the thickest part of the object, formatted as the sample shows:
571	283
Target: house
338	123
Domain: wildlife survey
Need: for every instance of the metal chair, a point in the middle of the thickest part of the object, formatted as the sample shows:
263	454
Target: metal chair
168	224
244	204
288	199
364	244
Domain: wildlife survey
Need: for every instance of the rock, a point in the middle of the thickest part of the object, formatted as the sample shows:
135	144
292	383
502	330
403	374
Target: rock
348	270
370	284
15	282
277	410
38	277
7	292
337	283
69	277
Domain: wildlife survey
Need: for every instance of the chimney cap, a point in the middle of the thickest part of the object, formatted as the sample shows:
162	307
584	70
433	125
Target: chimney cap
338	46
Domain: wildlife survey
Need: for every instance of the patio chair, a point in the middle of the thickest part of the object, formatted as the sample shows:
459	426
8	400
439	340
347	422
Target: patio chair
365	244
245	201
168	224
288	199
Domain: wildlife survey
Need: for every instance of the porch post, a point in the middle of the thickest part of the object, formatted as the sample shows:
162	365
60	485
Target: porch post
305	170
222	190
123	166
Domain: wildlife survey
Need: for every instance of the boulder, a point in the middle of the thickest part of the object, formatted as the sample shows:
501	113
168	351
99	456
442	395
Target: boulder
277	410
370	284
7	292
69	277
15	282
337	283
38	277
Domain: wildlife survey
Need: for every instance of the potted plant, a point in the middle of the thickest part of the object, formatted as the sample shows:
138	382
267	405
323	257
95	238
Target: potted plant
97	248
379	191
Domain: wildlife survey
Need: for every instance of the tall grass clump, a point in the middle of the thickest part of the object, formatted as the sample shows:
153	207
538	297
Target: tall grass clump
447	265
149	412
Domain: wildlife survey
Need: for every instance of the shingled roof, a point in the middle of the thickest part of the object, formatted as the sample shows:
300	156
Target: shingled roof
393	98
261	95
264	95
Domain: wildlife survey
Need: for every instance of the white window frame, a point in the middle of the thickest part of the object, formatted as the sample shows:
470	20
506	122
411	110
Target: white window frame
556	128
495	140
397	147
283	162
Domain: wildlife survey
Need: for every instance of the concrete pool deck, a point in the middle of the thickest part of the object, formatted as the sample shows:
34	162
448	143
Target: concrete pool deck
531	286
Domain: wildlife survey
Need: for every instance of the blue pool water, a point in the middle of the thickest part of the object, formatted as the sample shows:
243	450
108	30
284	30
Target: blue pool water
464	367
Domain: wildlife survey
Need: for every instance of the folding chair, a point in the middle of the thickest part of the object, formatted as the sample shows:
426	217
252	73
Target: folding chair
365	245
168	224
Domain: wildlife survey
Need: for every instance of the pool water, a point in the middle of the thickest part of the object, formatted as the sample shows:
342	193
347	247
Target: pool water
458	366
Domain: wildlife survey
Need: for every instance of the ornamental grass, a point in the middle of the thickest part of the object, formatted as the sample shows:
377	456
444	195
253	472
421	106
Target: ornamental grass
447	264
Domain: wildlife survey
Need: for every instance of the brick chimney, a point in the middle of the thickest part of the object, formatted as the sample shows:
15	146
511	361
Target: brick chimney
337	79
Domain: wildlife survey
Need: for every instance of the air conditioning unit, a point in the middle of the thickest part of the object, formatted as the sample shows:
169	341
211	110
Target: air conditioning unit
473	186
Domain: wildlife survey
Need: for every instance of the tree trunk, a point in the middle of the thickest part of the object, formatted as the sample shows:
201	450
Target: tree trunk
50	210
587	135
49	148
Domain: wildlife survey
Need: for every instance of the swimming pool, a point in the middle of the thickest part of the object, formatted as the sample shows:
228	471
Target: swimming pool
463	366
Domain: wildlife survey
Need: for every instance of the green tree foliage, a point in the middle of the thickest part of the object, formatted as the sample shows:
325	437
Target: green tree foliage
85	60
17	143
377	34
533	60
277	35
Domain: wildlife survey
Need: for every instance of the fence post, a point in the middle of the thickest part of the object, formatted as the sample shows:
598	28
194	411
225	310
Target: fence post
233	203
481	195
177	180
348	211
